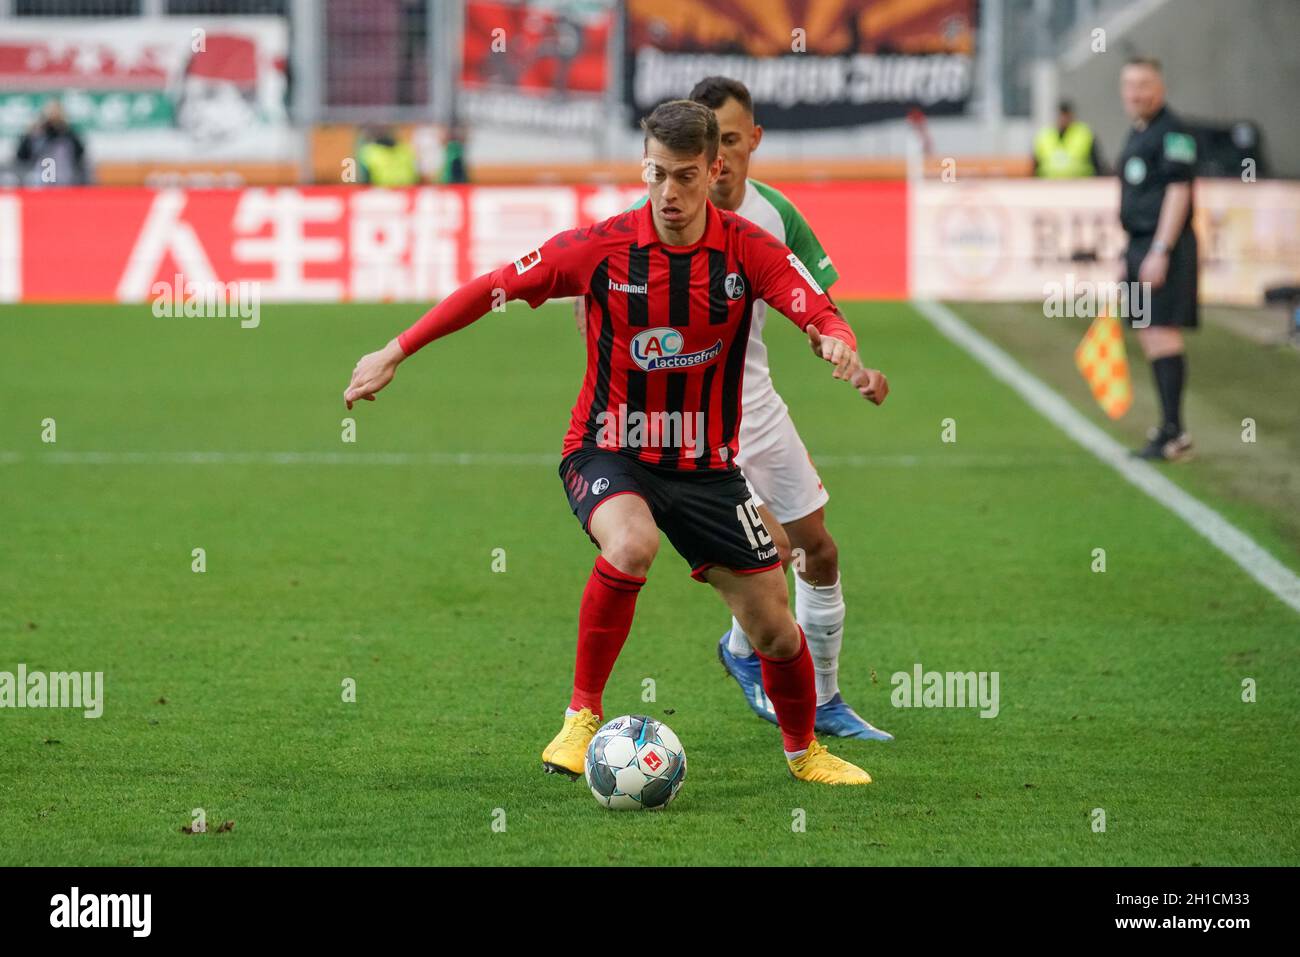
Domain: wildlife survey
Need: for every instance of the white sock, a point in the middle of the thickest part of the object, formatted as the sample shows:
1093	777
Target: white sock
791	755
819	609
738	642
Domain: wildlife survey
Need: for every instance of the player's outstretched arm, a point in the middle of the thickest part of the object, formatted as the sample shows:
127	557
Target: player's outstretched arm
835	350
784	282
870	383
376	369
543	274
373	371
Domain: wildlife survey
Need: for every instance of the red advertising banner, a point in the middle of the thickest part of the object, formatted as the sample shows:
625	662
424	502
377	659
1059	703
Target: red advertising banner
530	64
333	243
534	47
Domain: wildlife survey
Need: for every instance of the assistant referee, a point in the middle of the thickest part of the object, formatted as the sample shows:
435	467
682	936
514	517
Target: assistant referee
1156	169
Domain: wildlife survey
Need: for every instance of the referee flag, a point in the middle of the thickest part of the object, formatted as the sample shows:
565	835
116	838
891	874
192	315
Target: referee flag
1104	364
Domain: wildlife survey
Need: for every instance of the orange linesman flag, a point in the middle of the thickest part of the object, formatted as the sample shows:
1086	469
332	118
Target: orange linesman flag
1104	364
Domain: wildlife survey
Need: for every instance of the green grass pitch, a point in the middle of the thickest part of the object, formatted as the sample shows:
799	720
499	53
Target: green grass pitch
373	561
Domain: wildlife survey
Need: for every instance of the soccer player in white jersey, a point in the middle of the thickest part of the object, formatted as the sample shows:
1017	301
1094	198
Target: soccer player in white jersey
781	474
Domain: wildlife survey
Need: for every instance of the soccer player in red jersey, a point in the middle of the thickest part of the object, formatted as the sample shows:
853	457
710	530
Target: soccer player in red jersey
781	475
669	291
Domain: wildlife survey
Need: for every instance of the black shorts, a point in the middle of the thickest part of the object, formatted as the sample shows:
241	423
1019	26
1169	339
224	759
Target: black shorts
1175	303
709	517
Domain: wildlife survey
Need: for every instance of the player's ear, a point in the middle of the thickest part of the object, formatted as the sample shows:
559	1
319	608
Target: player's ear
756	138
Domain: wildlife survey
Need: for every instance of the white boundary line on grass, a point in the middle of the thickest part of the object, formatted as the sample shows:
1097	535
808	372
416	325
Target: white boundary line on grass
1222	534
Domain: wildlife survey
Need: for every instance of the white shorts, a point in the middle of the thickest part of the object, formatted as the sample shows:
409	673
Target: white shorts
780	472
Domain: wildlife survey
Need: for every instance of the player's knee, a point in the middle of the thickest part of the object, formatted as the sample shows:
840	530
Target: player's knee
632	550
1160	341
775	634
767	620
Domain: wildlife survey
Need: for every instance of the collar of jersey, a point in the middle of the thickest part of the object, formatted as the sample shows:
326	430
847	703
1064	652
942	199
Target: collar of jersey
1164	108
713	233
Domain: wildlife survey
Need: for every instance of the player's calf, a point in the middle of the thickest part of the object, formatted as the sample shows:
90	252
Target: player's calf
761	603
623	528
818	555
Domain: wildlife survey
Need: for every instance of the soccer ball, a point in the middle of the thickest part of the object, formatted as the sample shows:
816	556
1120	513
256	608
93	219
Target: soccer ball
635	763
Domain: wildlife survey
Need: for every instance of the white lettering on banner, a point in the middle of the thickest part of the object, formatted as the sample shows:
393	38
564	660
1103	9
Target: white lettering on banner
379	243
508	221
992	240
400	255
164	234
437	227
802	81
288	249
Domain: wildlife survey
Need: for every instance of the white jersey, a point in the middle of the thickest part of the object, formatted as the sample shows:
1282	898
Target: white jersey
761	406
760	403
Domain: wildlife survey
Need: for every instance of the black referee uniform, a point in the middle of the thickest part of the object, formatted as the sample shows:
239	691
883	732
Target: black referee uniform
1161	153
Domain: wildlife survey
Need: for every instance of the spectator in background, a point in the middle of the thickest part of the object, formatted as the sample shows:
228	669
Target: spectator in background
1067	150
51	153
453	163
385	161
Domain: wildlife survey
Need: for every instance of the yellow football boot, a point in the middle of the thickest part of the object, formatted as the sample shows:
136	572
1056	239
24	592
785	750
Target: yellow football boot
821	767
568	749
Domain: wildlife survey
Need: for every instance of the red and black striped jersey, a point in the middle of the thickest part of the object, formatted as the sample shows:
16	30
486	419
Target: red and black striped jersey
667	328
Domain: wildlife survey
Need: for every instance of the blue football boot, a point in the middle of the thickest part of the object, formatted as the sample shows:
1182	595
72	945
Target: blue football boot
748	673
839	720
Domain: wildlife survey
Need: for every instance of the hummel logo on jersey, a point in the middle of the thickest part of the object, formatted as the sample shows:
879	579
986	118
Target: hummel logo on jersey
802	270
627	287
734	285
825	261
528	261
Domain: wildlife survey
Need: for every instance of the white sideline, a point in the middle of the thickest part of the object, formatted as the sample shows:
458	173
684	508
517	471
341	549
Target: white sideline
1222	534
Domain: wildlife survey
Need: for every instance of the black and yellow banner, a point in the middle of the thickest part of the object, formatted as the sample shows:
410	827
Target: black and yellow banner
808	63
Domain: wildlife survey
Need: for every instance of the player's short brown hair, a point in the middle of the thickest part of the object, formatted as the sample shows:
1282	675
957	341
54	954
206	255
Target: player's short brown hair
684	126
713	91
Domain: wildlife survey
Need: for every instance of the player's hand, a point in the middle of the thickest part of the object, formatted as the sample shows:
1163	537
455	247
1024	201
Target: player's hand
1154	268
373	372
580	315
871	383
836	352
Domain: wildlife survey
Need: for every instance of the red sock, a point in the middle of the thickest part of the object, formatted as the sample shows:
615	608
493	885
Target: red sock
792	688
604	619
